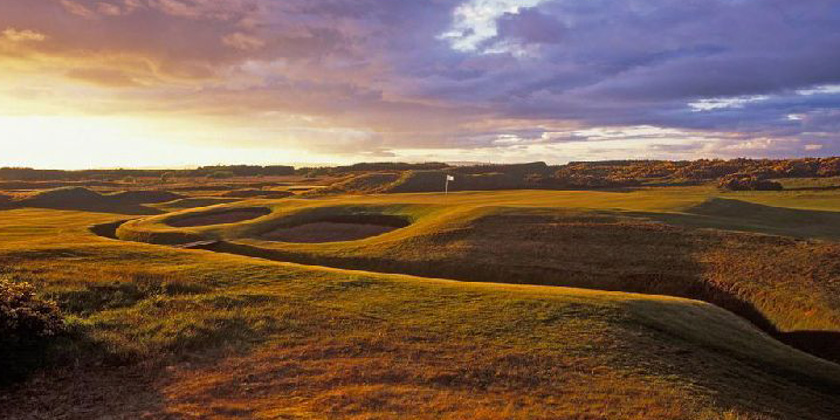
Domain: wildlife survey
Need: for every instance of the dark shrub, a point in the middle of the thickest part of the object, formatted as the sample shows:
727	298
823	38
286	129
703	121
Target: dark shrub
768	185
27	325
221	175
741	182
579	181
829	167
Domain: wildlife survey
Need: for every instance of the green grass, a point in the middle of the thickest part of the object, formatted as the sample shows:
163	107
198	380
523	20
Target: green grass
162	331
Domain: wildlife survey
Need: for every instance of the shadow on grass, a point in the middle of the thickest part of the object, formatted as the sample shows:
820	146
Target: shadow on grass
94	207
86	378
84	199
113	360
107	230
99	207
97	297
825	344
720	213
593	252
822	188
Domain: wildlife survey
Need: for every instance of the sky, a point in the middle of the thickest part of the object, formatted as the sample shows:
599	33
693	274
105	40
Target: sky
165	83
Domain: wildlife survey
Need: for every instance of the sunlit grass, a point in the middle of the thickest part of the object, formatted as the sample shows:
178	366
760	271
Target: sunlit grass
207	334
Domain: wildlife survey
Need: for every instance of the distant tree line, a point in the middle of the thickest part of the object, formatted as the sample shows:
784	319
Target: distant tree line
29	174
245	170
735	174
371	167
730	174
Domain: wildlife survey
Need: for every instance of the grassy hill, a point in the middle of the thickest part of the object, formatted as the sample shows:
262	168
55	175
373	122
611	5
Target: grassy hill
85	199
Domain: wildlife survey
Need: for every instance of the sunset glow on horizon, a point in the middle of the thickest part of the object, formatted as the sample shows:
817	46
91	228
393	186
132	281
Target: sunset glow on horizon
157	83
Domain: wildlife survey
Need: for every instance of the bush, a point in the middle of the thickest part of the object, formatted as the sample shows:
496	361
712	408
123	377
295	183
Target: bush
245	170
829	167
27	325
220	175
740	182
563	179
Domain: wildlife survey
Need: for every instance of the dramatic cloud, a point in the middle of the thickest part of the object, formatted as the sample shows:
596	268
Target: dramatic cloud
243	42
26	35
491	79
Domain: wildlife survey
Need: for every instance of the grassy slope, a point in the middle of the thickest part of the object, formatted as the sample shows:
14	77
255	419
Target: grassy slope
521	237
188	203
163	331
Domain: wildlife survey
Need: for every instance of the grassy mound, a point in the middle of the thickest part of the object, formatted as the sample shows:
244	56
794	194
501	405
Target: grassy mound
145	197
65	197
785	286
192	225
81	198
254	219
190	203
366	183
217	217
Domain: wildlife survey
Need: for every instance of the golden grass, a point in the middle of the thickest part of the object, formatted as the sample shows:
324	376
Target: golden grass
787	287
195	334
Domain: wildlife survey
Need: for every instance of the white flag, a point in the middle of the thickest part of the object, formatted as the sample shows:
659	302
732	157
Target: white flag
450	178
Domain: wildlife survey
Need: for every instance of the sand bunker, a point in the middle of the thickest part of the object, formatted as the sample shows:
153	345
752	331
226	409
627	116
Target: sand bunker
218	218
337	229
